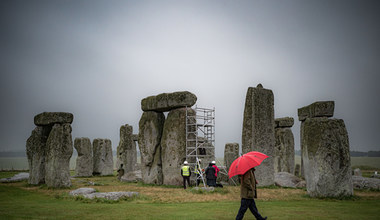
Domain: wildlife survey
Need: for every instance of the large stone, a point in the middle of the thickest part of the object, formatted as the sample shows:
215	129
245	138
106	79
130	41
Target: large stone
36	153
317	109
84	164
151	126
326	157
127	153
258	130
286	122
102	157
173	144
168	101
59	147
16	178
231	153
110	195
285	179
284	150
360	182
82	191
50	118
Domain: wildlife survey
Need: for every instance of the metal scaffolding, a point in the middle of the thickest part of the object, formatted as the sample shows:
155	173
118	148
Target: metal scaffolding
200	138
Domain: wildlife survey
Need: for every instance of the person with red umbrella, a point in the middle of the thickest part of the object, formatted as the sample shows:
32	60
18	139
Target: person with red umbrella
244	166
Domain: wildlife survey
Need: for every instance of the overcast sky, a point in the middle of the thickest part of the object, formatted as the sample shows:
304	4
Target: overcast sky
98	59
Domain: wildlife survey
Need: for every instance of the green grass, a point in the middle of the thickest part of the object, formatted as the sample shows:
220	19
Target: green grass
17	203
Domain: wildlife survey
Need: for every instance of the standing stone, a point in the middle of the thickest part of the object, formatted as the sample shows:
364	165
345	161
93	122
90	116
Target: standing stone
326	157
284	150
231	153
258	130
173	144
84	164
297	170
127	153
168	101
151	126
36	153
59	150
102	157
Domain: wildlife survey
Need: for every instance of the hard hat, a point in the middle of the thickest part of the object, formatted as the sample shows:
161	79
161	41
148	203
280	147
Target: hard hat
200	160
185	162
213	162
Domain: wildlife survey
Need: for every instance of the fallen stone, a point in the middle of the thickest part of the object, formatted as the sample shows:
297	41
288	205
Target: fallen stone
360	182
82	191
205	189
317	109
168	101
286	122
301	184
16	178
111	195
50	118
285	179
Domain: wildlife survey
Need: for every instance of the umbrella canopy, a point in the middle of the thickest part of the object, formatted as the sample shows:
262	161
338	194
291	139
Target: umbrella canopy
245	162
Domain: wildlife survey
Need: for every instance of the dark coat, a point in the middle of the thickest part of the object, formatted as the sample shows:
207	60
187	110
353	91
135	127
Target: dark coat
210	172
248	185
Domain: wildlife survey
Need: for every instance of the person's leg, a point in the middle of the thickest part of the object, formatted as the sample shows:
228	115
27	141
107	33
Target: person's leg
242	210
184	182
252	207
188	181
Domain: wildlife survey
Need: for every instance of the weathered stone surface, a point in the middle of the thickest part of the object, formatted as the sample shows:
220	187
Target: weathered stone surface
111	195
284	150
357	172
59	147
285	179
102	157
326	157
204	189
82	191
50	118
168	101
173	144
258	130
151	126
127	153
91	193
317	109
231	153
84	164
36	153
286	122
135	137
16	178
360	182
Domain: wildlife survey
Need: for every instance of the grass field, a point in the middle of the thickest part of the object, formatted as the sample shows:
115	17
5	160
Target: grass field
21	201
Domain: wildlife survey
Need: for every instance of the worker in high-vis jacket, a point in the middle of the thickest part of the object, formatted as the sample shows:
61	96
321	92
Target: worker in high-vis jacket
185	173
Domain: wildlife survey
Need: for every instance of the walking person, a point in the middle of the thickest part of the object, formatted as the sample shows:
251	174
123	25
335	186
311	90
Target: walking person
185	173
216	168
210	175
247	194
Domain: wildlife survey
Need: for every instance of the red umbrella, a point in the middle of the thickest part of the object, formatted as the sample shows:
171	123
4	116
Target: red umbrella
245	162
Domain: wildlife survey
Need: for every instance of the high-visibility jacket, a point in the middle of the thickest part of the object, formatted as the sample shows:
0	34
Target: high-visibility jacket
197	169
185	171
